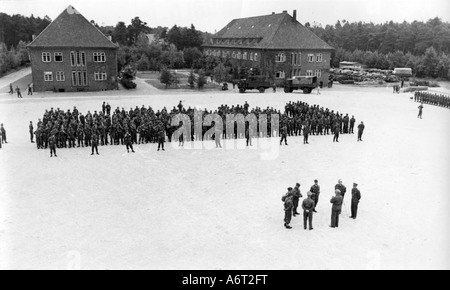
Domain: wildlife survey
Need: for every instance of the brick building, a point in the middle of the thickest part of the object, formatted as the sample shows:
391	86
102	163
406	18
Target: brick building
71	55
277	44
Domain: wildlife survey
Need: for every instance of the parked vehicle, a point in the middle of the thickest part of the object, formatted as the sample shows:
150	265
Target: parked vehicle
304	83
260	83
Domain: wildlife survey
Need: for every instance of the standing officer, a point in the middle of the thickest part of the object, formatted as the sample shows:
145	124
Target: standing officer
296	195
30	89
94	142
360	131
31	130
336	208
2	129
128	142
420	111
341	188
11	90
288	205
356	196
19	94
352	124
161	138
284	135
336	131
305	134
315	190
308	208
52	145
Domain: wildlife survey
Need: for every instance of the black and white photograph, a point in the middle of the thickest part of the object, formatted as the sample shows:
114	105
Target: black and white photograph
233	135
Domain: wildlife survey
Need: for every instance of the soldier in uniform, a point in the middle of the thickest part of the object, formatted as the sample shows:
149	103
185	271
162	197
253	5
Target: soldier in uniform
284	135
420	111
336	131
52	145
2	129
315	190
288	206
31	130
360	131
336	208
352	124
128	142
341	188
94	142
217	136
305	134
356	196
308	206
296	195
161	137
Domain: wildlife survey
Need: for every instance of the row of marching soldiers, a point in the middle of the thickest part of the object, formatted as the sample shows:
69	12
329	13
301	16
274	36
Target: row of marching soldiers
432	99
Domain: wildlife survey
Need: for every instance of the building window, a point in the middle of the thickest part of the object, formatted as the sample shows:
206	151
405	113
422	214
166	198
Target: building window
281	57
318	73
310	57
319	57
255	58
58	57
46	57
239	55
79	78
100	76
78	58
233	55
251	56
99	57
60	76
295	72
244	55
280	75
296	59
48	76
309	73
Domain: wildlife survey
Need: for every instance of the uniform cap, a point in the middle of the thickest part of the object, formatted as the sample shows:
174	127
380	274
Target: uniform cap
289	188
355	184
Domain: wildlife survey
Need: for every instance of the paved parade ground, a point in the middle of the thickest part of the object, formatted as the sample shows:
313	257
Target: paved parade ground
222	209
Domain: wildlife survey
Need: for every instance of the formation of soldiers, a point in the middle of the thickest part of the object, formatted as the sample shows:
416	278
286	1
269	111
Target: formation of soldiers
70	129
291	202
434	99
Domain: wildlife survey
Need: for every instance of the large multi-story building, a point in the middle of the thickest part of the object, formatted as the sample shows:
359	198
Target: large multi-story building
71	55
277	44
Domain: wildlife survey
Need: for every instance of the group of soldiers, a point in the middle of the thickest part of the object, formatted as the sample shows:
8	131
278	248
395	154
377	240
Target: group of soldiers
292	198
70	129
432	99
301	118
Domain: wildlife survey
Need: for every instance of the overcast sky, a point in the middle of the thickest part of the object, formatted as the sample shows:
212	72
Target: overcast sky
212	15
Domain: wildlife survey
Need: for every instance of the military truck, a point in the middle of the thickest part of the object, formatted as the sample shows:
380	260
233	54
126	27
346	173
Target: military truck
260	83
304	83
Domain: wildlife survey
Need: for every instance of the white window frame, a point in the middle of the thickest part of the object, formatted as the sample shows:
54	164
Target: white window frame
280	75
46	57
60	76
233	55
100	76
310	57
281	57
244	55
48	76
318	73
310	73
57	54
73	58
100	57
319	57
255	57
251	56
239	55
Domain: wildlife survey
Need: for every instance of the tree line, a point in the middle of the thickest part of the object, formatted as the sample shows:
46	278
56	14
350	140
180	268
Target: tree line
422	46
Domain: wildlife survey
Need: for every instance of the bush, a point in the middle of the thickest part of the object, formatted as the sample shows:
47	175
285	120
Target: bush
128	83
425	83
347	82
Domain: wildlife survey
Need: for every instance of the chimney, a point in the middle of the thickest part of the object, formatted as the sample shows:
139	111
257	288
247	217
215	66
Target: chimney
284	11
273	13
294	16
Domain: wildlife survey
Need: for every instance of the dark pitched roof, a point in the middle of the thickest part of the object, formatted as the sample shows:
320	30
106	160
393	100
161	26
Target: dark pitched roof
71	29
276	31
